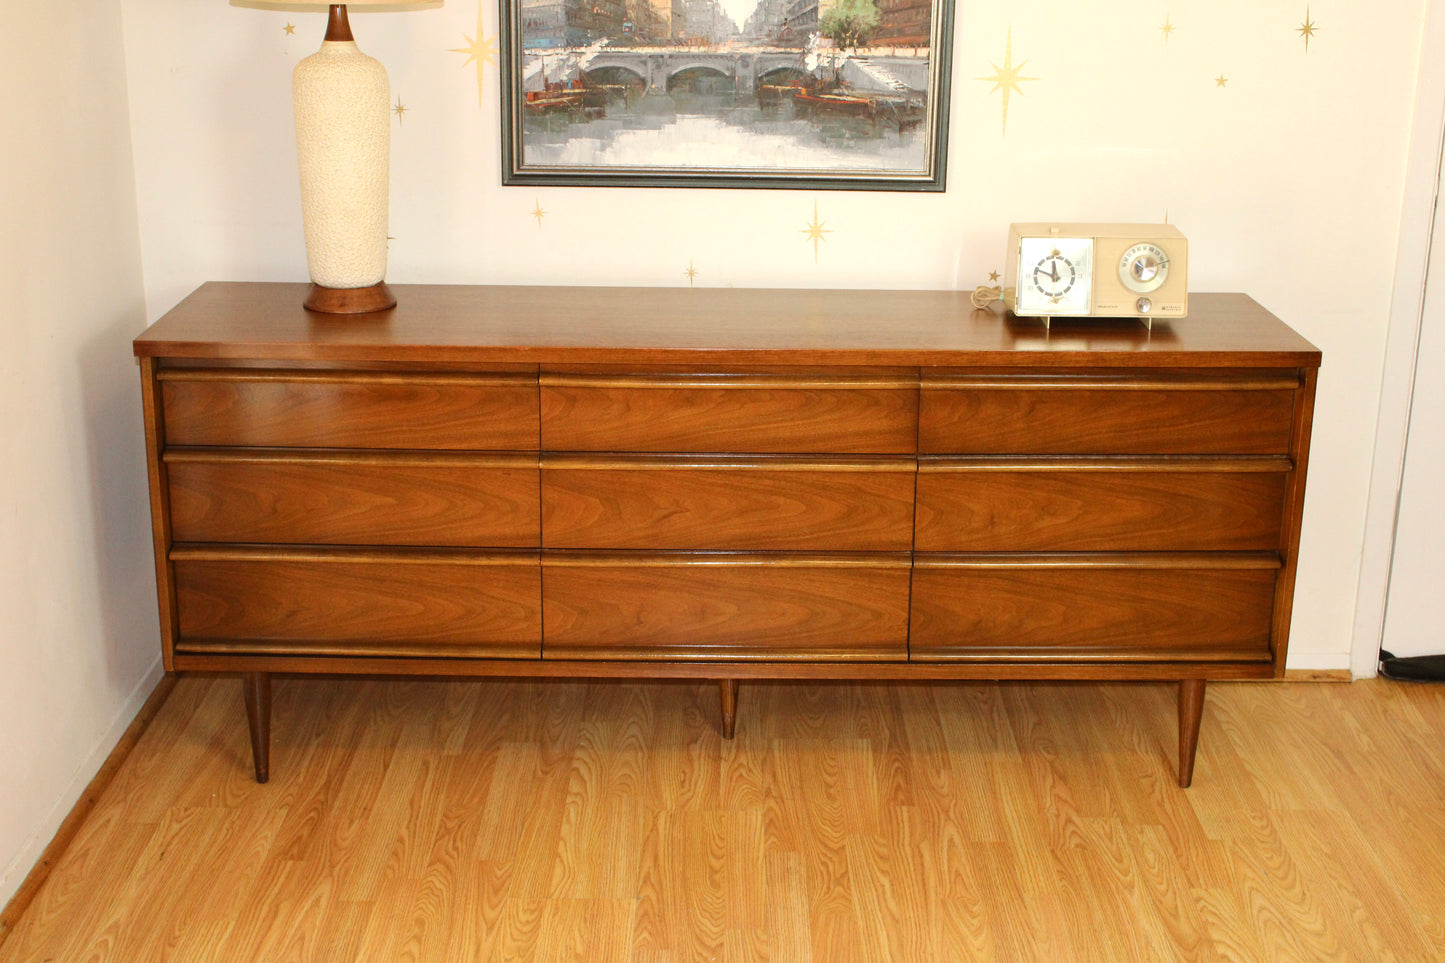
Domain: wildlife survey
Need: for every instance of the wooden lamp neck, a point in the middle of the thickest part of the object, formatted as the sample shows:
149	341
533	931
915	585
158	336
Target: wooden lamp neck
338	28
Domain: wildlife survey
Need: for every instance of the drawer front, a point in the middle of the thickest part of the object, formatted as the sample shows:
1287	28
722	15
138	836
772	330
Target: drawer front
713	608
1077	415
722	414
1099	610
275	496
339	603
1100	504
349	410
782	503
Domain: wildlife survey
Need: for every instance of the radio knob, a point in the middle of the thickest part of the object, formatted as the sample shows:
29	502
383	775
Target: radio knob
1144	268
1144	305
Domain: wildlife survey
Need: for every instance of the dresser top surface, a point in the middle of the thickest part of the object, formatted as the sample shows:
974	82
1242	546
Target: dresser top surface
617	325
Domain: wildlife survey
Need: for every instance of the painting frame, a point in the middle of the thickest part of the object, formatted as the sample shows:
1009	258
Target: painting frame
930	176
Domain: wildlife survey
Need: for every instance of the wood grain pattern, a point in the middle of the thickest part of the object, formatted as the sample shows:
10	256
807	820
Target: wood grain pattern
1121	607
487	822
349	409
260	495
338	603
728	414
1120	504
550	324
780	504
1153	416
725	607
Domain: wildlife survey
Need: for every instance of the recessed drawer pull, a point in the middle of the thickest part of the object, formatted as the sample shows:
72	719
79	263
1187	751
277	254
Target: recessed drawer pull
332	456
1204	561
1281	382
741	382
946	464
720	560
581	461
331	377
354	556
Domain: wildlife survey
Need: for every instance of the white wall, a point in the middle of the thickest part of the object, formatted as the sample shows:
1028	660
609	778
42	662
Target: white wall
1415	616
78	652
1287	181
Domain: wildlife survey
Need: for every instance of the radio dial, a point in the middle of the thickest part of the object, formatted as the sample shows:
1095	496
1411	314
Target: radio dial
1143	268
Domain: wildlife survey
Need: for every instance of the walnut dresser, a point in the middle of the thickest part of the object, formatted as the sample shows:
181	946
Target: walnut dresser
722	484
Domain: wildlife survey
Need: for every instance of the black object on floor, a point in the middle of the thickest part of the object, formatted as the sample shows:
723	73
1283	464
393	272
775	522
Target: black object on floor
1415	668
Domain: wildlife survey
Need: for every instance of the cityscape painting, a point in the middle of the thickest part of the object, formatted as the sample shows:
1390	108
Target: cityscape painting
832	94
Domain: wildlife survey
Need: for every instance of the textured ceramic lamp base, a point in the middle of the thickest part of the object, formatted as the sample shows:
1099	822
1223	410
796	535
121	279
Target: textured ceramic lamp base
343	143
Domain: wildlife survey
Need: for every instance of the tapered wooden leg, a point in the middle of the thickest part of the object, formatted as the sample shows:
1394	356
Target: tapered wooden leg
1191	711
256	686
729	690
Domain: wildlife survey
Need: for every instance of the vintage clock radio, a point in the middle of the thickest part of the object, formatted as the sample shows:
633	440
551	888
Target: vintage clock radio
1096	270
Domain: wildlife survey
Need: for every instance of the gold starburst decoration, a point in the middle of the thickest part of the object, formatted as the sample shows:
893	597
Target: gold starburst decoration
1007	77
1307	29
993	275
1221	80
538	213
479	51
691	272
290	29
815	232
400	109
1167	29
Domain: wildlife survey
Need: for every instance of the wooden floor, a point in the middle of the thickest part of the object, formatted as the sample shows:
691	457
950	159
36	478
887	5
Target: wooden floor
597	822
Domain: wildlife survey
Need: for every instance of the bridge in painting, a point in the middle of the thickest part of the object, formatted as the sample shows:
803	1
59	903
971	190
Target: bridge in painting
656	69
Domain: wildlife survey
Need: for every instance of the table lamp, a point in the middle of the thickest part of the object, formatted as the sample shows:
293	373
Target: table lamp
342	102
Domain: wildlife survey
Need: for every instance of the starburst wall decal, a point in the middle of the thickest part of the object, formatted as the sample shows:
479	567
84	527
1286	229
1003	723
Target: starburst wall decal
1307	29
1007	78
815	232
479	51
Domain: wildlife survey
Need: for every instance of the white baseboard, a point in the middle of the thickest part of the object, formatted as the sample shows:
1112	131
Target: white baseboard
15	873
1318	661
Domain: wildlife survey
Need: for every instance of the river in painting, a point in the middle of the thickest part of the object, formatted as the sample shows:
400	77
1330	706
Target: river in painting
710	133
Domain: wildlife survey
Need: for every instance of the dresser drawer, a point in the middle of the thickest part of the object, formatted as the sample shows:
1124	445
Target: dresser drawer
349	409
293	496
724	413
1106	415
351	602
1119	504
1093	608
783	502
705	607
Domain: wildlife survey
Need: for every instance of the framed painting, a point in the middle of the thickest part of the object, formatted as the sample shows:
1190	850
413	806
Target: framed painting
815	94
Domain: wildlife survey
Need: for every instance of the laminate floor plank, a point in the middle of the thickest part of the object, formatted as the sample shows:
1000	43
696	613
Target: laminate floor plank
479	821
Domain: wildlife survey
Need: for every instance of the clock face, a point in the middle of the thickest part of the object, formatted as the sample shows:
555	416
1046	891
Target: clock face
1056	276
